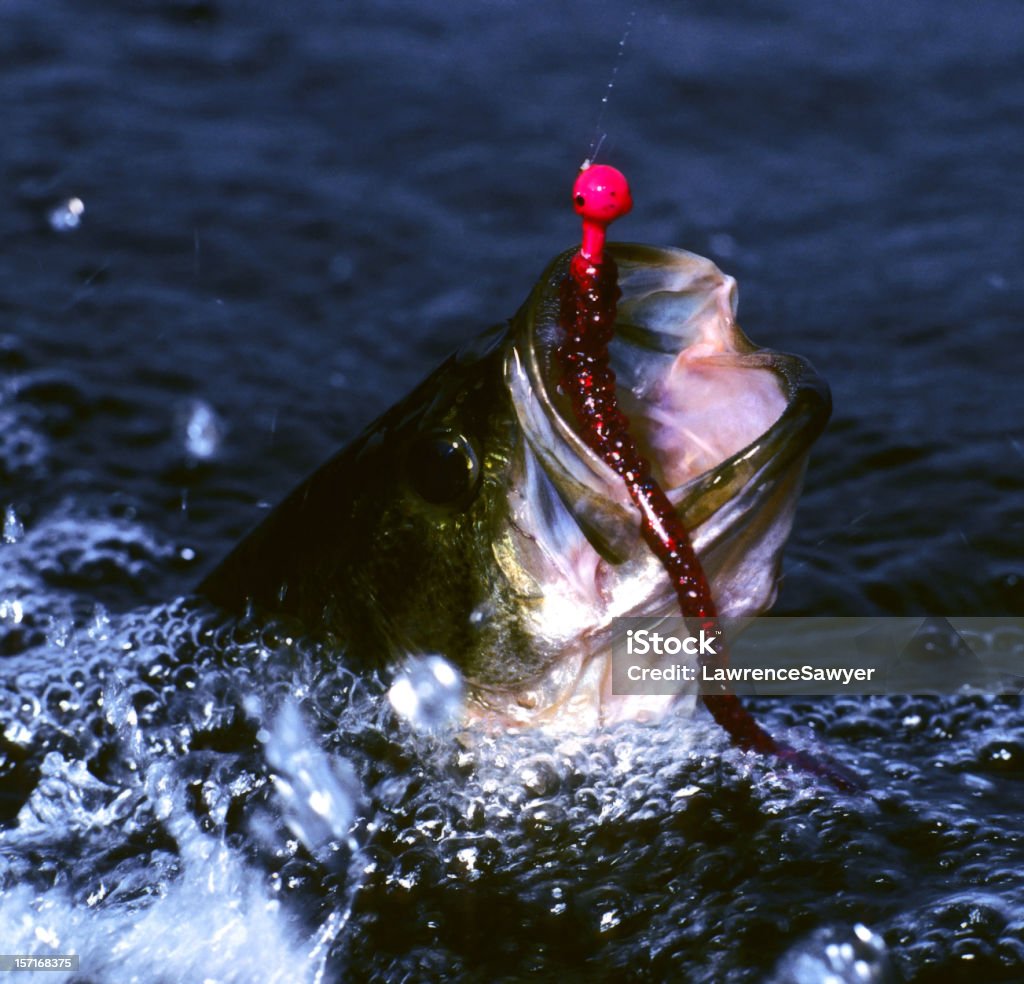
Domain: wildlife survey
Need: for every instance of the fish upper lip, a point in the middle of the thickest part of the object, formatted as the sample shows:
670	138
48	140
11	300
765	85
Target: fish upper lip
663	292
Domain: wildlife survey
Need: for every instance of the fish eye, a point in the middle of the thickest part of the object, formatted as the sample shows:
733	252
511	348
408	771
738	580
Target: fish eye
581	201
443	467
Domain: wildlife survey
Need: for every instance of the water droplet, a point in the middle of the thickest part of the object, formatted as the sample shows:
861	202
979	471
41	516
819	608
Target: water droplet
428	693
722	244
59	631
67	215
14	529
12	609
342	269
203	430
99	629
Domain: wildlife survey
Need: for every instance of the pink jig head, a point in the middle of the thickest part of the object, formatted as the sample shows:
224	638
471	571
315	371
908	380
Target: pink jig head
600	195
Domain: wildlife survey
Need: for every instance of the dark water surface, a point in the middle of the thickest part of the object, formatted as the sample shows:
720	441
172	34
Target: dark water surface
291	214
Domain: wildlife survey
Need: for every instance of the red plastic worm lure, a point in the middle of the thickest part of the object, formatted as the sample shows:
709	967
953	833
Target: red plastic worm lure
590	295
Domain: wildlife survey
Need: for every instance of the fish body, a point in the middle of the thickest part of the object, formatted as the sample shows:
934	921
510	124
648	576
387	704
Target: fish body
472	520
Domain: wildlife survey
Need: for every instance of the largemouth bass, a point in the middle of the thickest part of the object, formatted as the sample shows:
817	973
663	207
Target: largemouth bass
472	520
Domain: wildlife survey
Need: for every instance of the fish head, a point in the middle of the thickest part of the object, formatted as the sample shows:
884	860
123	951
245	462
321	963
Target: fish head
473	520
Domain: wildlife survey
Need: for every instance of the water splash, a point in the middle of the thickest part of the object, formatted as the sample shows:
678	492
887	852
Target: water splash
319	797
154	843
318	794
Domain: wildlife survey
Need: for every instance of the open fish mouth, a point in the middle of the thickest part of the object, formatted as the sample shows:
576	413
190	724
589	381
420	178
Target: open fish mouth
727	427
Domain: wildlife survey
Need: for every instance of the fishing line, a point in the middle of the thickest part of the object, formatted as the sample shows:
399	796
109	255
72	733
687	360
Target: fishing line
599	134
